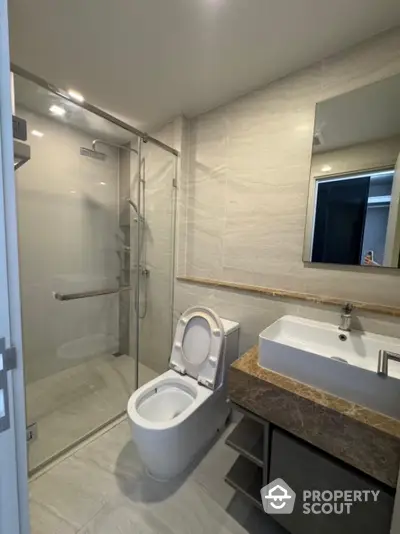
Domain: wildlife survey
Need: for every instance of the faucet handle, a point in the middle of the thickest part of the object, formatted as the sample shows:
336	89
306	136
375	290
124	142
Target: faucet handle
348	308
383	361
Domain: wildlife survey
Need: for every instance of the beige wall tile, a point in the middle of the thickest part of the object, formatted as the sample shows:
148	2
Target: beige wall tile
248	177
246	188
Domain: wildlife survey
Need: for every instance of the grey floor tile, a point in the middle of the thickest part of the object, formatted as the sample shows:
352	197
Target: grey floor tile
69	404
183	508
113	451
124	518
75	490
103	489
211	470
43	521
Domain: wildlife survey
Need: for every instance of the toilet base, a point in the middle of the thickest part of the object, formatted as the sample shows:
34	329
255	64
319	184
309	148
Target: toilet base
168	453
198	456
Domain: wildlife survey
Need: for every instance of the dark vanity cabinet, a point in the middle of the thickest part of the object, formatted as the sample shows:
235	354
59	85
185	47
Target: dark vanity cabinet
267	453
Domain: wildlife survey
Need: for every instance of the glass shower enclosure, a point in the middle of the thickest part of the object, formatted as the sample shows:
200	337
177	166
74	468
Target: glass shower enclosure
96	223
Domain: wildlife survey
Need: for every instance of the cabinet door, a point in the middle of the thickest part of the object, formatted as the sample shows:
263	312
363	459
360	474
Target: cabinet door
304	467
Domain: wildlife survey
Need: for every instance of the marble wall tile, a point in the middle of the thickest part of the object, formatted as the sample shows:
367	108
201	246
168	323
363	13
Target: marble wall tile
247	184
254	313
366	63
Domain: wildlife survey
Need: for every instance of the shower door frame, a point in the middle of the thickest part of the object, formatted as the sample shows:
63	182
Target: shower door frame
143	137
139	229
91	108
138	264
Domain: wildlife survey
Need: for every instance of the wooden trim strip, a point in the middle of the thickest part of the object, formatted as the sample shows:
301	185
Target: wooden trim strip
291	295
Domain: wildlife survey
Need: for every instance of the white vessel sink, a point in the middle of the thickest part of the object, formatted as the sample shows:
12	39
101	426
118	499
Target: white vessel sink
303	349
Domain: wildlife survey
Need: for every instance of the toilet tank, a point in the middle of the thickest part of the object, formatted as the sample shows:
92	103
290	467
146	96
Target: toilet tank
231	351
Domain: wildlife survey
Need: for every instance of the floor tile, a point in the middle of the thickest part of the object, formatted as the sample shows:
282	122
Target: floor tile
74	490
76	401
183	507
45	522
104	489
113	451
123	518
116	453
211	470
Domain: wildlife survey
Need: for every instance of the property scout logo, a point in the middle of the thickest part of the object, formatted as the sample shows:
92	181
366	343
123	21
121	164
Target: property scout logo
279	498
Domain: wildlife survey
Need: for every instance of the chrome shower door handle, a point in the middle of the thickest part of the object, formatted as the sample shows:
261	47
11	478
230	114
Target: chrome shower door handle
383	361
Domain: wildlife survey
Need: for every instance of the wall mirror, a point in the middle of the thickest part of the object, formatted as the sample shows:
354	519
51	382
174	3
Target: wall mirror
353	212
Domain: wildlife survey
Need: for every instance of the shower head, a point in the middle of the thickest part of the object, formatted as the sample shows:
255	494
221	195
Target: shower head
94	154
102	142
134	206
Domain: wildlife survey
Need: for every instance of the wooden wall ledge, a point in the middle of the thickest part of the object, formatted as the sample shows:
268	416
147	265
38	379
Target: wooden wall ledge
291	295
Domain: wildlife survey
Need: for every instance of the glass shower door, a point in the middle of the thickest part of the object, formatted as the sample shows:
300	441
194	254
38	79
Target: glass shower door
79	374
96	214
153	306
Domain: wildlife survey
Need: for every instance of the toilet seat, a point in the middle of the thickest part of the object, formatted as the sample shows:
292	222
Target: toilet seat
156	392
198	345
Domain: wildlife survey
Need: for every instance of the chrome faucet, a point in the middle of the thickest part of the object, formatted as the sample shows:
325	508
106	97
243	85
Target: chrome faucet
345	317
383	360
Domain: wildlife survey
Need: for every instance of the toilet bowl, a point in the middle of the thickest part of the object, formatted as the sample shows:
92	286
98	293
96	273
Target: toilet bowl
177	414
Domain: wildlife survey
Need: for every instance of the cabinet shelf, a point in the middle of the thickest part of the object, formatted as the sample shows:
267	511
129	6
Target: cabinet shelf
247	478
247	439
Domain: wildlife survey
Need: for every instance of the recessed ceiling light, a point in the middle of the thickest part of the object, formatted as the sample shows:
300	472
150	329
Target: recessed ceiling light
75	95
72	191
103	183
56	110
36	133
326	168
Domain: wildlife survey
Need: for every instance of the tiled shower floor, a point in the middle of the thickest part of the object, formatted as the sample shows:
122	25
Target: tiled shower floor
74	402
102	489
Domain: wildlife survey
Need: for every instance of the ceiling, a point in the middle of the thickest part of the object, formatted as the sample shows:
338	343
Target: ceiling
149	60
367	114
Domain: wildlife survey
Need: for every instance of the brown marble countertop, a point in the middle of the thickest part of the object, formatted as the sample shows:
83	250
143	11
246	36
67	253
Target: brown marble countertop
360	436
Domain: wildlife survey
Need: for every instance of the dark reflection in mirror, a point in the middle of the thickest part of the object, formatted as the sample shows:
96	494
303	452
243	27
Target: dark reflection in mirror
353	207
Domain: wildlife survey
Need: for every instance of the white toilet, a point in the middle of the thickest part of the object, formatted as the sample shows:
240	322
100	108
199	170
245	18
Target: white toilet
176	415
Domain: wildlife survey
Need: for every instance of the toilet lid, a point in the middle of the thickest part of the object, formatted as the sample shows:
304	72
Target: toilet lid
198	344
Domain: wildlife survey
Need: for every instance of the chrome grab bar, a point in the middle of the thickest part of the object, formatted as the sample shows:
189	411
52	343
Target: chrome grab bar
86	294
